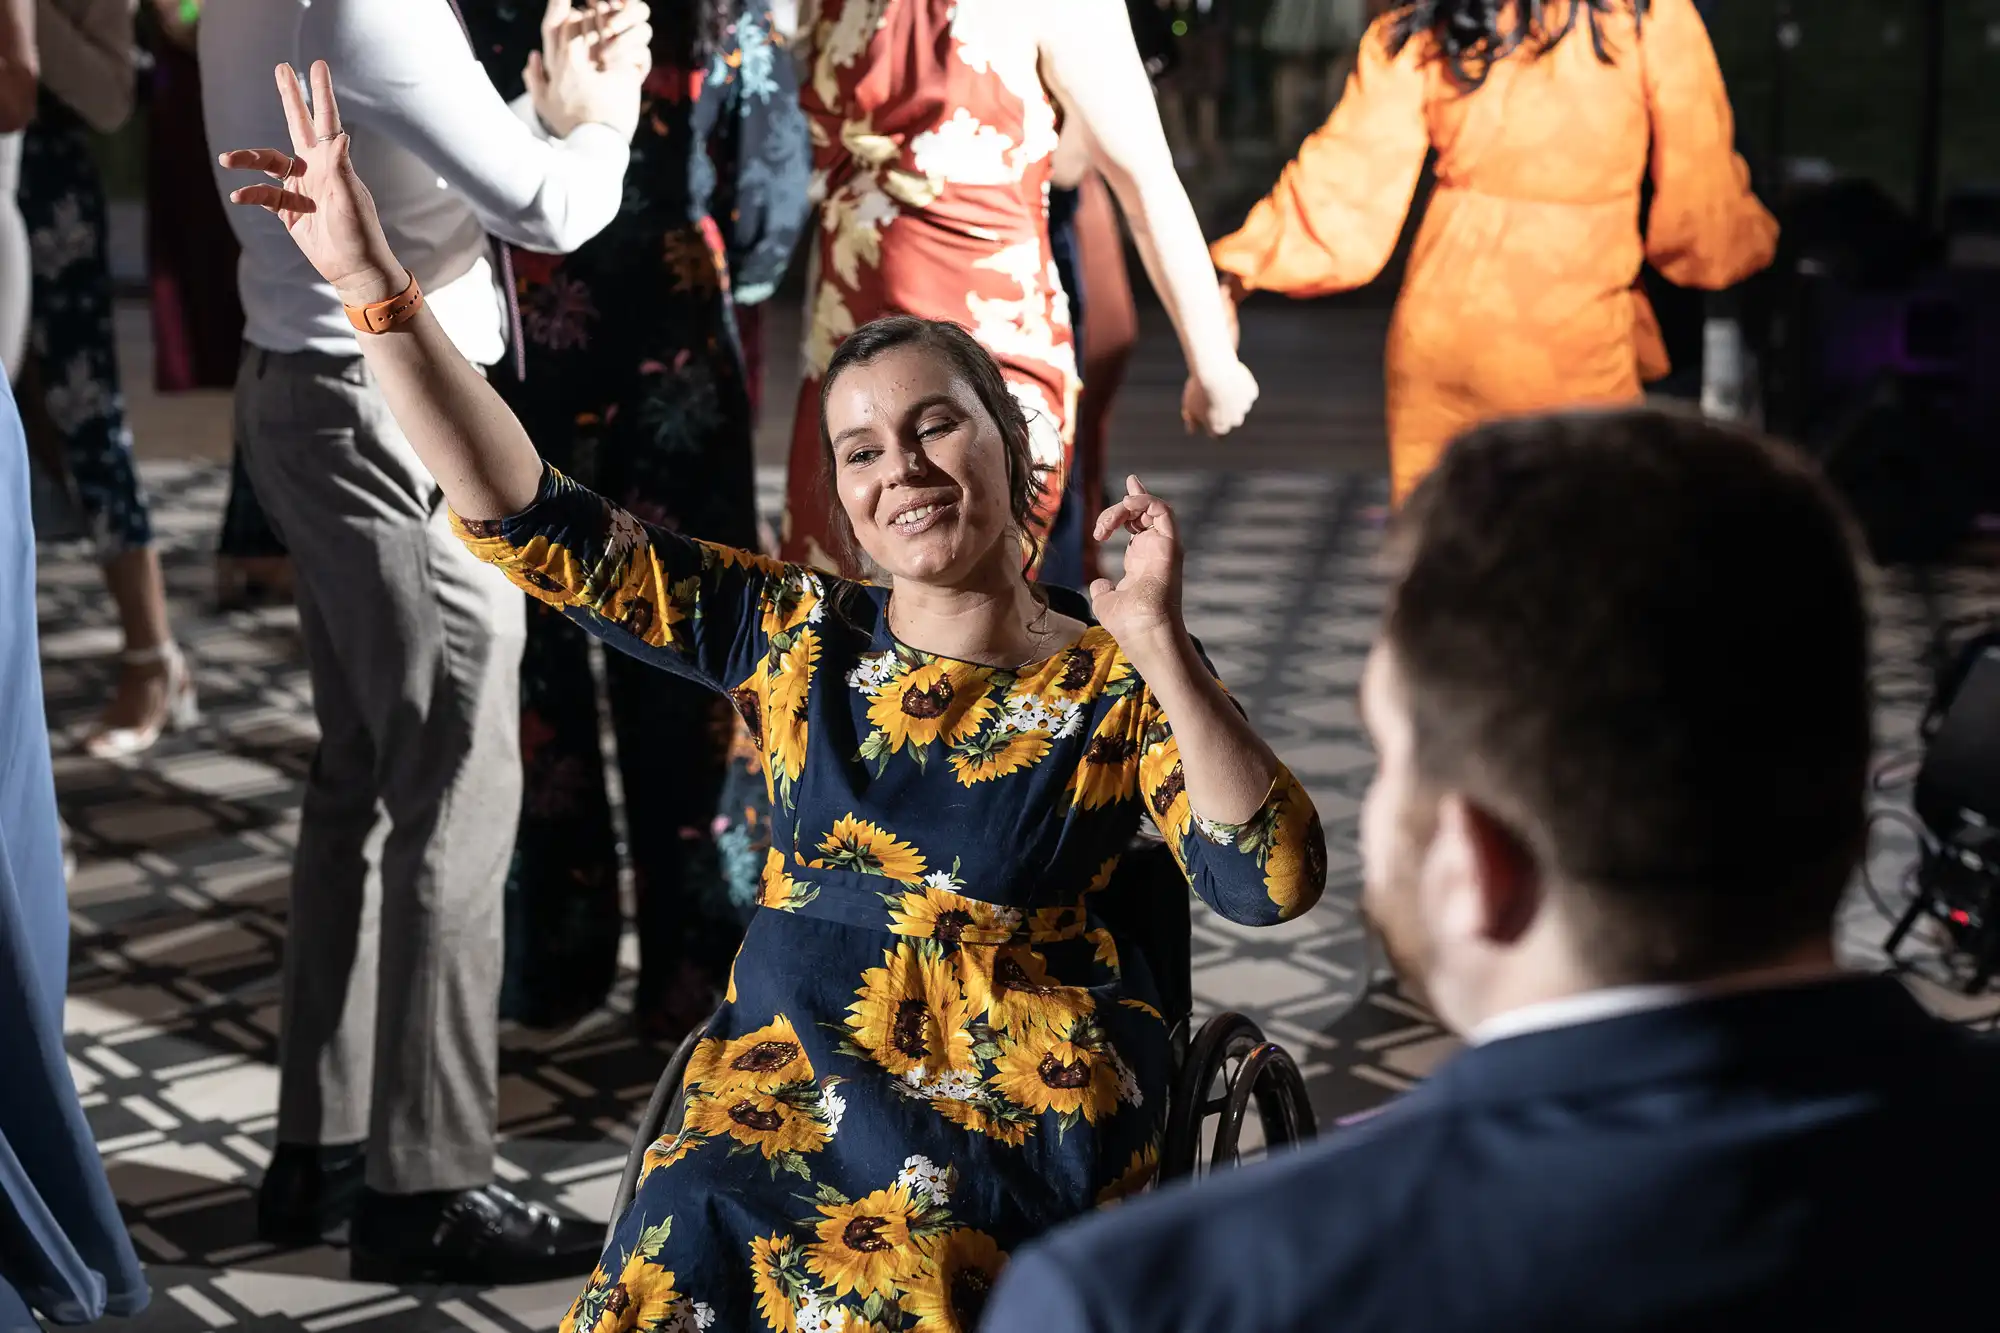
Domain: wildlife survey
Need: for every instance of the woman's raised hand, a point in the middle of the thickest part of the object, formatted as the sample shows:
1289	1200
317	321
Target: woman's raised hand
317	195
1145	603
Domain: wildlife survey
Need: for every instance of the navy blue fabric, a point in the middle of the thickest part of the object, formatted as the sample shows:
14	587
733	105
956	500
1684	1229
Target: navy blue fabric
63	1249
1816	1158
1062	564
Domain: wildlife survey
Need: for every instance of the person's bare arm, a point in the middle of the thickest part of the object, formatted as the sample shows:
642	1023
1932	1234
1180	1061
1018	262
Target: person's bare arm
89	64
461	429
20	70
1092	65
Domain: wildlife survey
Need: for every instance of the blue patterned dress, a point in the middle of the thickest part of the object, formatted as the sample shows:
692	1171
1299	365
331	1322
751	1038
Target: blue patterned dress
929	1052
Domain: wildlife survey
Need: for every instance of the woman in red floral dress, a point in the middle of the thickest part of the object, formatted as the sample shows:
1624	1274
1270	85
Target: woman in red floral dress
933	123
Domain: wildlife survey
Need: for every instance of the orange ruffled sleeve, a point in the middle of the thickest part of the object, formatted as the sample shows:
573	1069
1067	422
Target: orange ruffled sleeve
1332	222
1706	230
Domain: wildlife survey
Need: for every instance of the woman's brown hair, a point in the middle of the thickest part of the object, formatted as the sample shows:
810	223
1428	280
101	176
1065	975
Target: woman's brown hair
976	366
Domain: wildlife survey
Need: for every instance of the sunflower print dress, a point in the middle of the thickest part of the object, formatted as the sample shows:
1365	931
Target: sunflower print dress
929	1051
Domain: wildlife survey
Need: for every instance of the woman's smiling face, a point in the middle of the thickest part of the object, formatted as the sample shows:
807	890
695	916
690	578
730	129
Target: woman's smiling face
920	466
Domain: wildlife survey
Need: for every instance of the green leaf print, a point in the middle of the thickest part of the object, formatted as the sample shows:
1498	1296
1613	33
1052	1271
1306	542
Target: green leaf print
654	1239
828	1194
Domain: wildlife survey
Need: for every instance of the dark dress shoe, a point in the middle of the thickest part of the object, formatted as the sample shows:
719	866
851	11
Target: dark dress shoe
484	1237
307	1192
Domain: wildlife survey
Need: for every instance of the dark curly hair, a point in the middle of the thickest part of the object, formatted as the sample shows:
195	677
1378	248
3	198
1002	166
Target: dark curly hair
976	366
1473	34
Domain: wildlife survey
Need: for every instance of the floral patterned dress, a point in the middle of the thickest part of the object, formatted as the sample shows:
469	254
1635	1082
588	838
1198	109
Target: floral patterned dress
636	383
929	1051
932	137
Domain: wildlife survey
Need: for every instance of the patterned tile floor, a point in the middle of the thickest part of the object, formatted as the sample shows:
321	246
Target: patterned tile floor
179	902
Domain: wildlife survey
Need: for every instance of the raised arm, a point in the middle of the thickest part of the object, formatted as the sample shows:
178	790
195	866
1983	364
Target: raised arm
1243	829
1706	228
412	77
20	68
87	59
1331	222
705	611
1094	68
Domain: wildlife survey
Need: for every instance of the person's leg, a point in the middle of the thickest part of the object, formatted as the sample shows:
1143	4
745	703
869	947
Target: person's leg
563	915
1063	562
251	563
362	519
451	780
326	1037
429	641
1112	332
62	202
673	747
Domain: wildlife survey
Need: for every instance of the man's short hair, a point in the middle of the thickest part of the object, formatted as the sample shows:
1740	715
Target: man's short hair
1639	639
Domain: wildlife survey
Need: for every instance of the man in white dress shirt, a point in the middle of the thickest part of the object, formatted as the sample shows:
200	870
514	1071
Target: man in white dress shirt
388	1049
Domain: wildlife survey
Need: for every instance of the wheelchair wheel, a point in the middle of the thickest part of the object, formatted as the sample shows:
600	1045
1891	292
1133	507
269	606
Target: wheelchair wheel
662	1116
1228	1068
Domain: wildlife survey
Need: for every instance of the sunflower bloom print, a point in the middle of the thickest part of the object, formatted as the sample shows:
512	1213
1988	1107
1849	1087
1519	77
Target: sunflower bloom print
896	1258
916	701
757	1094
639	1295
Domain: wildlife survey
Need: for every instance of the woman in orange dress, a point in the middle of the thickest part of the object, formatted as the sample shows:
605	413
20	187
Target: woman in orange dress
1522	293
934	126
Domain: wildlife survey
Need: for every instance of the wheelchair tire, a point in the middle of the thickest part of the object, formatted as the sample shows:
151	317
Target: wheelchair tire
662	1116
1253	1071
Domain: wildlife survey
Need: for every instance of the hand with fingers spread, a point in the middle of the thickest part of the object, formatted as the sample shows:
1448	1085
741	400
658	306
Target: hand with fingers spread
593	61
1143	609
318	196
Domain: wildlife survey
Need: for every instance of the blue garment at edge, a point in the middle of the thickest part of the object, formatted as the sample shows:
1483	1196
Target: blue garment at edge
63	1250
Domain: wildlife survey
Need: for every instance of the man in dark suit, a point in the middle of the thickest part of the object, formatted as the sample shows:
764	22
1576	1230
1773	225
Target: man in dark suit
1621	706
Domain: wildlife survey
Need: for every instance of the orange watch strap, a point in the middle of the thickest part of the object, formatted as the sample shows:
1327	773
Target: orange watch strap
383	316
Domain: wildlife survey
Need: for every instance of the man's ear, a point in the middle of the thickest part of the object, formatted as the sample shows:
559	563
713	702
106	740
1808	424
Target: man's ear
1504	873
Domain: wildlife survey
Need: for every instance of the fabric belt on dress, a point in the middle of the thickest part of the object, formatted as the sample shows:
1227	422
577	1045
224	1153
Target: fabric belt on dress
503	254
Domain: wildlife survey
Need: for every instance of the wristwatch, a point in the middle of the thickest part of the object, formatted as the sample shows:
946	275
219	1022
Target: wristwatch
382	316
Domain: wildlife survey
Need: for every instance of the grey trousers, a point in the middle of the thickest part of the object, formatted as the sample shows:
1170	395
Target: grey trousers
394	955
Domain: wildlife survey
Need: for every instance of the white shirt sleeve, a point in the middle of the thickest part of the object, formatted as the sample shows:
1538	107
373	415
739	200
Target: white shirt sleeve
404	69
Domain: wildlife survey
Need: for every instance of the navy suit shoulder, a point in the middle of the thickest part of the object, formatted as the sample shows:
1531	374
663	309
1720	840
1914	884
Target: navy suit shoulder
1762	1161
1159	1262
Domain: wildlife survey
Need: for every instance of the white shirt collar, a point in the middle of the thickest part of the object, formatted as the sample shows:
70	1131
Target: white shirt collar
1570	1010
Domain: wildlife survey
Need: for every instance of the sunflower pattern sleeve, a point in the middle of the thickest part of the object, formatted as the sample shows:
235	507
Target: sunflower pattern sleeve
1267	869
697	609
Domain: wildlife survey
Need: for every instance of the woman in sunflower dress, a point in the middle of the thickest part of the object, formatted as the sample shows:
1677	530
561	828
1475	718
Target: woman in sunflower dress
931	1048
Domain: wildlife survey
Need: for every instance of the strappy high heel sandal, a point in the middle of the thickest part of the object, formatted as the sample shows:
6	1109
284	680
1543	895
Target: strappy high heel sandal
176	711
